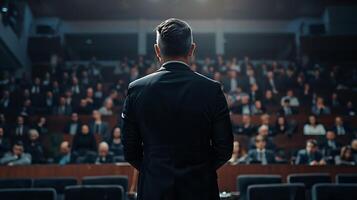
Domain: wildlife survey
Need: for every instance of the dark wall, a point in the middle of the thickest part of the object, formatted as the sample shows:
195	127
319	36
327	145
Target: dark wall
260	45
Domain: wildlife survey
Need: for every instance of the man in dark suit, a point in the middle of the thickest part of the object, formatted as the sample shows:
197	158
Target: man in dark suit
176	140
311	155
260	154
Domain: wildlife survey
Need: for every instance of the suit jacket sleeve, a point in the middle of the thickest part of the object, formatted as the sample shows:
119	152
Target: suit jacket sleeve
222	136
132	141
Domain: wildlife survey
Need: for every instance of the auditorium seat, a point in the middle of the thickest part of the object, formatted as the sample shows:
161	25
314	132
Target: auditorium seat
107	180
331	191
94	192
294	191
309	179
244	181
28	194
59	184
346	178
15	183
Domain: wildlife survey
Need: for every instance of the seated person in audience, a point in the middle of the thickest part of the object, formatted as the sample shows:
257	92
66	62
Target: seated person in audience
63	108
107	108
329	146
115	144
269	99
350	110
20	130
4	142
257	108
313	127
260	154
84	145
41	126
34	147
73	125
345	157
286	109
16	156
310	155
65	157
244	108
340	128
320	108
104	155
246	128
238	156
293	101
84	108
265	120
283	127
98	126
263	131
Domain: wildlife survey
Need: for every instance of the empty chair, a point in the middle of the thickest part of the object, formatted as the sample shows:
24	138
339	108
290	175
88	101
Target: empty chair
331	191
28	194
15	183
94	192
293	191
346	178
106	180
59	184
244	181
309	179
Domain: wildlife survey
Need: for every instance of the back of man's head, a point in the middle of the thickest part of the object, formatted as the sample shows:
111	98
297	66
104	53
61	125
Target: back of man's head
174	37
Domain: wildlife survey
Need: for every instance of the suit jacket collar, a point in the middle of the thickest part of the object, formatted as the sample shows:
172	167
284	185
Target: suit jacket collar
174	65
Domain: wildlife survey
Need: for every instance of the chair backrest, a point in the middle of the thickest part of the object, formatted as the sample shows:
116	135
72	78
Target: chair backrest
293	191
94	192
331	191
244	181
15	183
28	194
309	179
59	184
346	178
106	180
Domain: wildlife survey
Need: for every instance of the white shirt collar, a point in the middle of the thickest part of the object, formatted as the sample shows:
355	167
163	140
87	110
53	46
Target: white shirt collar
174	61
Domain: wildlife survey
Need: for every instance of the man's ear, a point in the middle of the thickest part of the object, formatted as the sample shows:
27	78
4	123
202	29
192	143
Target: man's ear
157	52
192	49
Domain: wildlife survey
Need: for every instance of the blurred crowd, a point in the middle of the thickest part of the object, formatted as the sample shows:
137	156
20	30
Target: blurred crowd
267	89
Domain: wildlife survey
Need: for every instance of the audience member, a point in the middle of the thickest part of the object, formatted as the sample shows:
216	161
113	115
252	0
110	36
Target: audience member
260	154
84	145
73	125
320	108
34	147
310	155
246	128
313	127
115	144
340	128
345	157
329	146
98	126
293	101
20	130
16	156
239	156
65	157
104	155
263	131
107	108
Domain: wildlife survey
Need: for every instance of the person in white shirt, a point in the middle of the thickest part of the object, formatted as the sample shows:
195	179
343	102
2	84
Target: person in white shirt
313	127
294	101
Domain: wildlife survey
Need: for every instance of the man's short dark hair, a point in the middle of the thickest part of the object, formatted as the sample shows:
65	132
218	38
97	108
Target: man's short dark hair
174	37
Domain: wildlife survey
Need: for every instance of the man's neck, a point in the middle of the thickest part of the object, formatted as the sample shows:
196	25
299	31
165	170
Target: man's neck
173	59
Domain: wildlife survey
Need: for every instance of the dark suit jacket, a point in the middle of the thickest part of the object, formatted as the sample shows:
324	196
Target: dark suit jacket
303	158
177	133
253	156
